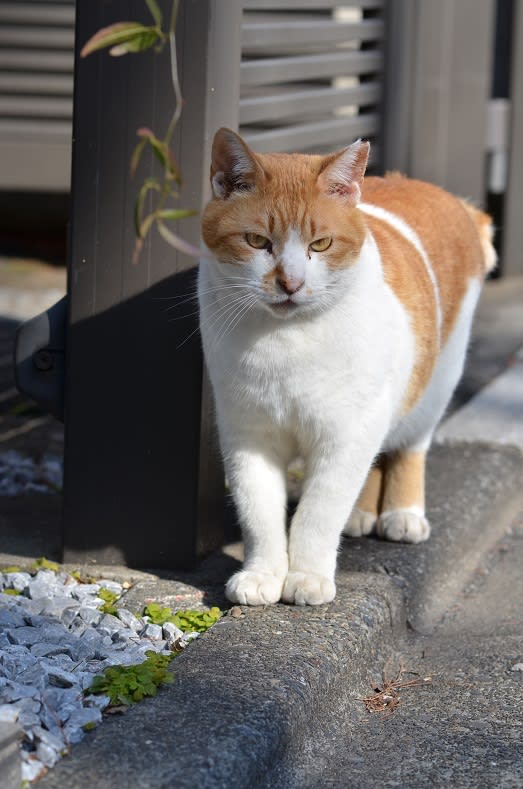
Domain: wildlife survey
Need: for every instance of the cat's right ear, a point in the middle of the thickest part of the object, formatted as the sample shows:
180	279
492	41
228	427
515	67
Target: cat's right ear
234	166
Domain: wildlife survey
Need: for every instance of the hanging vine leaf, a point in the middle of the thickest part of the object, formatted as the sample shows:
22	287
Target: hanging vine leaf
136	155
133	36
175	213
150	183
177	242
159	147
153	7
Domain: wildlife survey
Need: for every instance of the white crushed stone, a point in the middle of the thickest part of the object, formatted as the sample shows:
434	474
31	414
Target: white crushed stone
20	474
53	642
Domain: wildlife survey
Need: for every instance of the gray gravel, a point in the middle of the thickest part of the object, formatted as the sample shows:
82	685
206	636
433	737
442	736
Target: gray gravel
20	474
53	642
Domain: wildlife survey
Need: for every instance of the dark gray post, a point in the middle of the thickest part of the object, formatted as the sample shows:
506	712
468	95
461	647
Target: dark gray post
142	482
512	259
438	80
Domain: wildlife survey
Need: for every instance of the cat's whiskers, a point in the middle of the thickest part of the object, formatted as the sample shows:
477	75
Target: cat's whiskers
233	318
212	319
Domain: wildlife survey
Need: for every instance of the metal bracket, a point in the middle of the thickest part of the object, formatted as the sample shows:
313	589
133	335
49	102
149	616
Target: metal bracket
40	358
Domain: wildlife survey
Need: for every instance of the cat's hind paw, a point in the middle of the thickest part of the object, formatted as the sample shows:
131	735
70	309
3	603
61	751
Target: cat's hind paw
360	523
403	525
248	587
308	589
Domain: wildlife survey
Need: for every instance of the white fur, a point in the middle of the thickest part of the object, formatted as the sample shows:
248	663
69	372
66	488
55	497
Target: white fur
324	379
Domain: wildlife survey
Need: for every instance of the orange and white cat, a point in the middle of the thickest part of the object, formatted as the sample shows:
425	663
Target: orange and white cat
335	314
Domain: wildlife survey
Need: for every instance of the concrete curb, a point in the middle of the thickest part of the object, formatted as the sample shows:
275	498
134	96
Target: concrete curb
10	762
250	695
495	414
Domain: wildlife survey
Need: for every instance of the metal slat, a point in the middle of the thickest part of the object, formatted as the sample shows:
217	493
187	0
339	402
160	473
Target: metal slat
50	14
41	37
292	102
35	130
275	34
35	60
340	131
41	84
300	5
36	164
305	67
35	107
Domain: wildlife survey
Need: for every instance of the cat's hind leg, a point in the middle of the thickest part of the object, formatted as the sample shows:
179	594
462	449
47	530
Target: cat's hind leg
402	517
364	517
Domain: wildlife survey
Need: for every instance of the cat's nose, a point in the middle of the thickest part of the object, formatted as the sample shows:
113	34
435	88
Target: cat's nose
290	285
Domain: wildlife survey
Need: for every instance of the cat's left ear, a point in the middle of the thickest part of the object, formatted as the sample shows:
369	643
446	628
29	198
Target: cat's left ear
234	167
342	175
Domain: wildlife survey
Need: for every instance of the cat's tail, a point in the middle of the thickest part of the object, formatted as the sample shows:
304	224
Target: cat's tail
485	228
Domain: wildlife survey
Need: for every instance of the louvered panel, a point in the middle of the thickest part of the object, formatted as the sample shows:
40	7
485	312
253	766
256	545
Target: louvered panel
292	103
23	83
310	73
299	5
311	34
33	60
312	136
36	93
35	107
39	13
265	71
38	37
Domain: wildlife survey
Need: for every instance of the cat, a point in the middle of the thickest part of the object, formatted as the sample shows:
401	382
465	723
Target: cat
335	314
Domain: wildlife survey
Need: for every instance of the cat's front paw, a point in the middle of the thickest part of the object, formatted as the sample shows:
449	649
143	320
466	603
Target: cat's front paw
308	589
403	525
248	587
360	523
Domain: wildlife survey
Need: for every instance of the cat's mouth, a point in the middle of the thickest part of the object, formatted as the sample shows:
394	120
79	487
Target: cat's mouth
284	306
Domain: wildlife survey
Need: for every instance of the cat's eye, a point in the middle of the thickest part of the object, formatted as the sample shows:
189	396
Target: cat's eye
321	244
257	241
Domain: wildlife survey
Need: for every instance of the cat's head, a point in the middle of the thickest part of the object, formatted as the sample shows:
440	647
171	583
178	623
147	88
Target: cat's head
285	225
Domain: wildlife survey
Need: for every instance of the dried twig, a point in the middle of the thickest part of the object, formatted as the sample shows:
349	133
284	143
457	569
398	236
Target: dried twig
385	699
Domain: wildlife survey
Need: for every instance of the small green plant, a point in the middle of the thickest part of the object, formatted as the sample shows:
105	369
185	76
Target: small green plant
11	591
89	726
12	568
128	684
192	621
158	614
45	564
109	599
189	620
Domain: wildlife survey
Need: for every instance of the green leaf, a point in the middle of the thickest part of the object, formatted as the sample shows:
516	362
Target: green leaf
150	183
175	213
135	158
152	5
44	564
138	43
119	34
193	621
145	226
159	147
127	684
11	591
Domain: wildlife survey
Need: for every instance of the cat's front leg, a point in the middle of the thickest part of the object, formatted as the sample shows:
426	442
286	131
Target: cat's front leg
258	484
331	488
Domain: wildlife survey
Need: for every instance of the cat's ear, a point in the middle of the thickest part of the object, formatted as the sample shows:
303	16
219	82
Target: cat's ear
234	166
342	174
